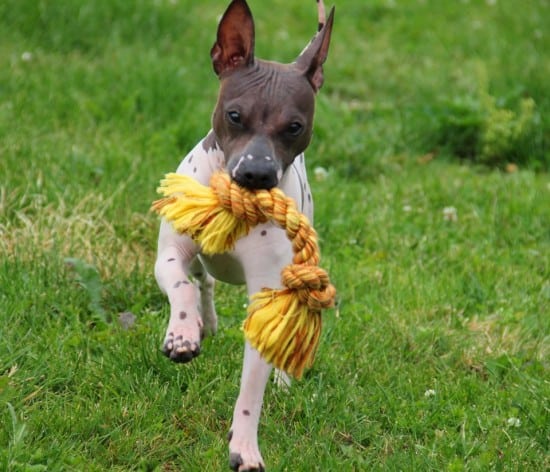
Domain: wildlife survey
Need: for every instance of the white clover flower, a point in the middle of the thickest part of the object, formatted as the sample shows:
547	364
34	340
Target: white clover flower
514	422
320	173
407	208
429	393
282	34
26	56
450	213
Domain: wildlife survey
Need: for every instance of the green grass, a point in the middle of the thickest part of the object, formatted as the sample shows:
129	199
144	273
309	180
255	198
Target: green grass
437	358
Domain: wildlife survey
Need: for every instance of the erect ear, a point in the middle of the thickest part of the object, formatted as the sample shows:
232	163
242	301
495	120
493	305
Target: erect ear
234	46
310	61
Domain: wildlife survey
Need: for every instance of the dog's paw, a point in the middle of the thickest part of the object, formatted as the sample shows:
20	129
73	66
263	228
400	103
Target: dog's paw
180	350
182	342
248	457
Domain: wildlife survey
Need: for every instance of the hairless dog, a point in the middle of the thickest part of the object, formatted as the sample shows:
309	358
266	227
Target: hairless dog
261	125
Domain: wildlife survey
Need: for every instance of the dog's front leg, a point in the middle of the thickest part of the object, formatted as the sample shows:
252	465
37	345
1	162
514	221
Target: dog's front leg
175	260
244	453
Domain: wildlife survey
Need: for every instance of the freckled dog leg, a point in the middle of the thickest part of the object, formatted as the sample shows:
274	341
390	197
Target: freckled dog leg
175	255
244	453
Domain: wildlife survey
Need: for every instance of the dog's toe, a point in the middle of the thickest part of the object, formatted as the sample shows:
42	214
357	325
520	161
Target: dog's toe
248	459
235	460
185	352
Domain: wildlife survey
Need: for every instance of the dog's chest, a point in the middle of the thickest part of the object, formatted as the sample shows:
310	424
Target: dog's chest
266	248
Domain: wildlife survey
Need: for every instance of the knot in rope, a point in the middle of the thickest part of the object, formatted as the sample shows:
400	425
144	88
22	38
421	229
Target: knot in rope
312	285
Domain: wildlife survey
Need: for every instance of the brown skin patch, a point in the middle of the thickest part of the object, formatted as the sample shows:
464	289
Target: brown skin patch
209	143
246	413
183	315
269	98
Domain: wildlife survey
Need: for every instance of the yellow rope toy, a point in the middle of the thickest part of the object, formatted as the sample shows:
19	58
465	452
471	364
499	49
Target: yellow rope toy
283	325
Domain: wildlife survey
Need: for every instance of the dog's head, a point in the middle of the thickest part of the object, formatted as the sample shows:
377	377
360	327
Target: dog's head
264	115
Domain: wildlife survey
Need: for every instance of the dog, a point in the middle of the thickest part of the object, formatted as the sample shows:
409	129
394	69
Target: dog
261	125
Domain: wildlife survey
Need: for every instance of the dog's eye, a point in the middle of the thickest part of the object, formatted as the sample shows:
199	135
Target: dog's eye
294	128
234	117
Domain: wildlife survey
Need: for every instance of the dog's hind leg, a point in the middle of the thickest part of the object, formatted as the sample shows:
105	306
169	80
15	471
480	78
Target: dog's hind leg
207	309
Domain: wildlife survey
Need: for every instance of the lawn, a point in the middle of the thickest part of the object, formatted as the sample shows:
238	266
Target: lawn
433	128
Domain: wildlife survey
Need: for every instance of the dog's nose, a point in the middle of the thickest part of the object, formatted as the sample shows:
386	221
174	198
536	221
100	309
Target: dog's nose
256	173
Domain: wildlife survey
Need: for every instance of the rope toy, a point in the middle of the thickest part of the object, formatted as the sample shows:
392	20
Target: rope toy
283	325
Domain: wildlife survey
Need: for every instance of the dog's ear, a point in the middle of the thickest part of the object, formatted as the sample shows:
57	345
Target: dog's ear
310	61
234	46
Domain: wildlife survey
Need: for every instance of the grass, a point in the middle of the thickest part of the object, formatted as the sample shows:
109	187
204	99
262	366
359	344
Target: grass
437	358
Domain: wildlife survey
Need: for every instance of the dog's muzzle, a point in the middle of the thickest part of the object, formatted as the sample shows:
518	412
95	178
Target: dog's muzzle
255	173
